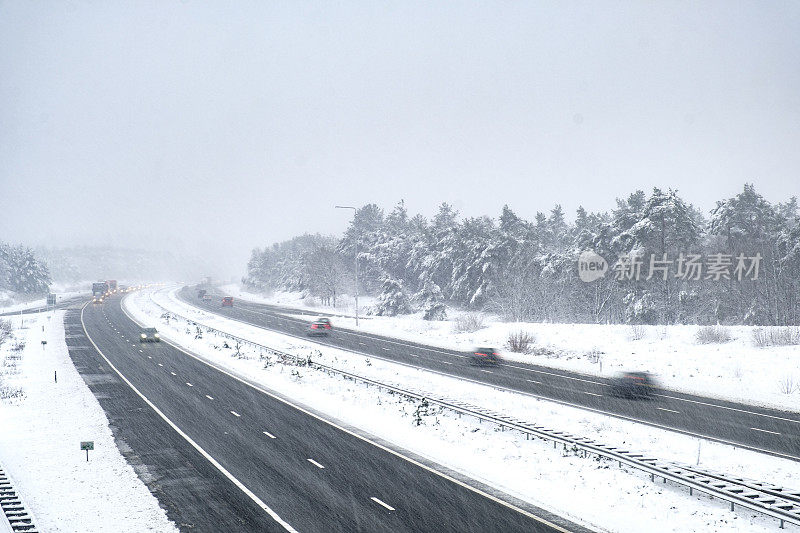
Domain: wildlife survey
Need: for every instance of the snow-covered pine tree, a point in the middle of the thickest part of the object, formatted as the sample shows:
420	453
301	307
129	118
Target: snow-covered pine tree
392	300
431	300
25	273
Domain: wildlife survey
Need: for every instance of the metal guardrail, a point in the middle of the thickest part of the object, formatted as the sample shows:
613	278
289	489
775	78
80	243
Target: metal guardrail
14	513
777	502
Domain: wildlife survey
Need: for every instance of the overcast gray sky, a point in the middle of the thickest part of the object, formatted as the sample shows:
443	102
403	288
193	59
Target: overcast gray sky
232	124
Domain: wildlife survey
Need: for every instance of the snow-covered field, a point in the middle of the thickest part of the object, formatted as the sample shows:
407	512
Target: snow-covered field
735	370
40	435
531	470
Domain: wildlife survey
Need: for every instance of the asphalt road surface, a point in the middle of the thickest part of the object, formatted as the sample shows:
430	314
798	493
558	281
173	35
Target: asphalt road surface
286	468
763	429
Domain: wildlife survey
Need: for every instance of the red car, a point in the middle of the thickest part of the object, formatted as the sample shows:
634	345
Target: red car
319	327
227	301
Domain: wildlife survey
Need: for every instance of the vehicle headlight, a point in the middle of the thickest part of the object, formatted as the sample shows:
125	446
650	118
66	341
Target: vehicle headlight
143	336
156	336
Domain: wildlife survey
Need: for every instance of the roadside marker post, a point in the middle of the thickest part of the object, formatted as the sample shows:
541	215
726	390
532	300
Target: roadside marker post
87	445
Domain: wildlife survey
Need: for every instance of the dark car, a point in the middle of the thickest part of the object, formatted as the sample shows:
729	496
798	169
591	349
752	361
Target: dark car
149	335
632	385
484	356
227	301
324	320
319	328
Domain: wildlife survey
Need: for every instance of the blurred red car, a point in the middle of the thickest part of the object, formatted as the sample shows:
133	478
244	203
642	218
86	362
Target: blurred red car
227	301
319	327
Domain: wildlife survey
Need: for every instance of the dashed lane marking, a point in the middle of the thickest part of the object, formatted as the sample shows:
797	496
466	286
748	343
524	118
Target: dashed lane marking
765	431
384	504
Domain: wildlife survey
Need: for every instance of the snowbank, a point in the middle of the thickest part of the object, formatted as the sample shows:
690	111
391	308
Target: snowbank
41	435
531	470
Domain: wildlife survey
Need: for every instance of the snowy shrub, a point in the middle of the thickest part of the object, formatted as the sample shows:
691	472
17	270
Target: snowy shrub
435	311
421	410
712	335
520	342
594	355
776	336
788	385
637	333
468	323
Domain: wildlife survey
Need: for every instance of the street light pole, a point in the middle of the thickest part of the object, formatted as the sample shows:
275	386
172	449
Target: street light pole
356	270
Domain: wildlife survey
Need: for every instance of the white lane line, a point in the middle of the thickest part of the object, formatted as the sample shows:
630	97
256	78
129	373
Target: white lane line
413	355
209	397
173	373
591	393
313	462
149	356
765	431
362	344
268	434
665	409
140	351
384	504
446	363
159	364
487	371
554	374
385	348
189	384
534	381
234	413
731	408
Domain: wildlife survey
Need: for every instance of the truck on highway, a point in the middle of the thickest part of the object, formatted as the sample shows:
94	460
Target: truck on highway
99	288
112	285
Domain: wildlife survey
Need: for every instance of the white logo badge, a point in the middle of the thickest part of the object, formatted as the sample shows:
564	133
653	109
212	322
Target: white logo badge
591	267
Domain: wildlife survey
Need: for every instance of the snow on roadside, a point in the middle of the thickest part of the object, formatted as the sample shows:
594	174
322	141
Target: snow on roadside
33	304
526	469
345	304
41	435
736	370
